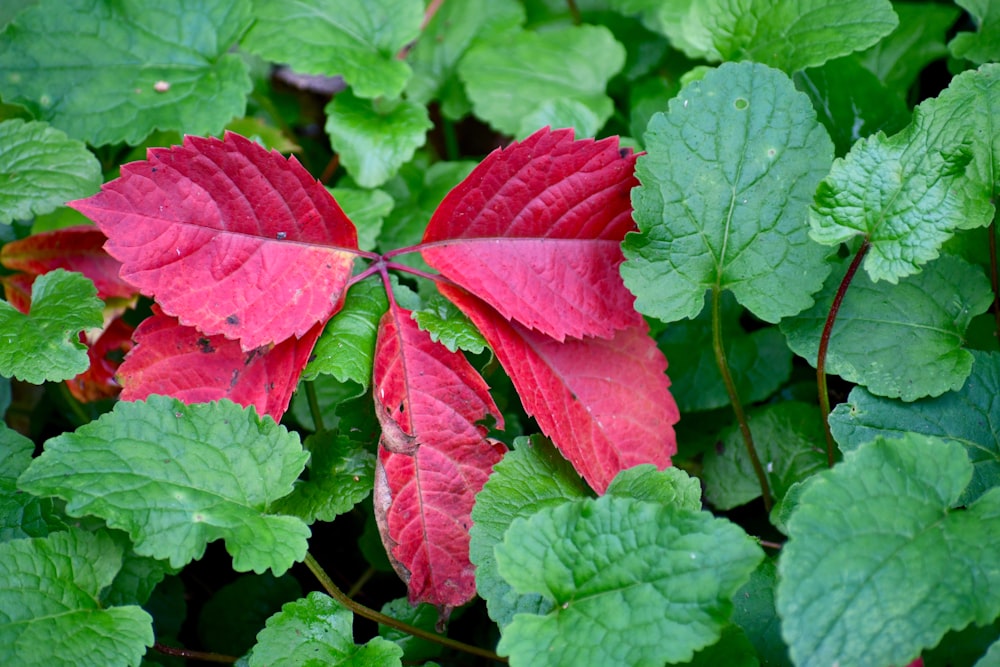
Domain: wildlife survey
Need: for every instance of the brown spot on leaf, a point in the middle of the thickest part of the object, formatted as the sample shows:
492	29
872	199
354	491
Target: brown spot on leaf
232	320
205	345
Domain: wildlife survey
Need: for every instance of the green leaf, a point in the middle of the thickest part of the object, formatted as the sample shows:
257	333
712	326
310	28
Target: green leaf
77	63
553	77
423	616
331	394
317	631
790	444
759	361
374	139
136	579
901	341
992	657
41	168
43	345
49	589
341	474
367	210
729	173
629	582
357	39
984	44
907	566
346	348
21	514
733	650
788	34
449	326
176	477
672	487
531	477
755	613
969	416
919	39
232	617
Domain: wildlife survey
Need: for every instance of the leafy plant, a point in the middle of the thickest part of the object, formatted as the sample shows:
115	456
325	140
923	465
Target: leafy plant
445	304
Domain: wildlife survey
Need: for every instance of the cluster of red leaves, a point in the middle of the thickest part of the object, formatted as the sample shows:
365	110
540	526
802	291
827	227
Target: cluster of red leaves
248	257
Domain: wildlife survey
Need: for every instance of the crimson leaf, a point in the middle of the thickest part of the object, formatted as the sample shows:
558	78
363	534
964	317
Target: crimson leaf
228	237
535	231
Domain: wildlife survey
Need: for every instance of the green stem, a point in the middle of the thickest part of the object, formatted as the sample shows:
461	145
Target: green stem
450	140
574	12
734	397
360	583
74	405
314	408
372	615
824	345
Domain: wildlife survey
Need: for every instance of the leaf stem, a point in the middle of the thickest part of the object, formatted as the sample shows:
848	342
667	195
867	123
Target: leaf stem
378	617
194	655
314	409
734	397
824	345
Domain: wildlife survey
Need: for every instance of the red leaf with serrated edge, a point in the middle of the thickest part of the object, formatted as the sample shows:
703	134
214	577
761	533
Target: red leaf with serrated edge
172	359
535	231
433	458
78	249
230	238
605	403
105	355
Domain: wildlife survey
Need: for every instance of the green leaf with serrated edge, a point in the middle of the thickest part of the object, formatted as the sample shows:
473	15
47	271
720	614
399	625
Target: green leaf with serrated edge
788	34
969	416
672	487
901	341
512	79
232	617
21	514
530	477
49	610
76	64
733	650
729	173
373	139
905	194
754	612
983	45
423	616
357	39
449	326
919	39
759	361
366	209
442	43
317	631
346	347
43	344
176	477
791	447
41	168
341	474
851	102
907	566
629	582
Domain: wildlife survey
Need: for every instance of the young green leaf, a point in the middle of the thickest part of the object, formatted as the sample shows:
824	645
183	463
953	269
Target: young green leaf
367	209
149	67
449	326
969	415
755	613
630	582
511	80
317	631
373	139
671	487
908	566
176	477
43	345
789	439
423	616
51	616
901	341
984	44
357	39
730	171
21	514
531	477
40	168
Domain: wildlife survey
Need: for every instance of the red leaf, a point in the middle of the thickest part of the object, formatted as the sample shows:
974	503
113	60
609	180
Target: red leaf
172	359
105	354
229	237
604	403
17	290
535	231
74	249
433	458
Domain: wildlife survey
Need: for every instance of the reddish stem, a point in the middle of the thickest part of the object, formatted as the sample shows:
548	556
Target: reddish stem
194	655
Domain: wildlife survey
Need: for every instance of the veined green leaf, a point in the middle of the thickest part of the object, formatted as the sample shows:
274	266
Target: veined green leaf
671	487
908	567
729	173
449	326
21	514
43	344
984	44
176	477
77	63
